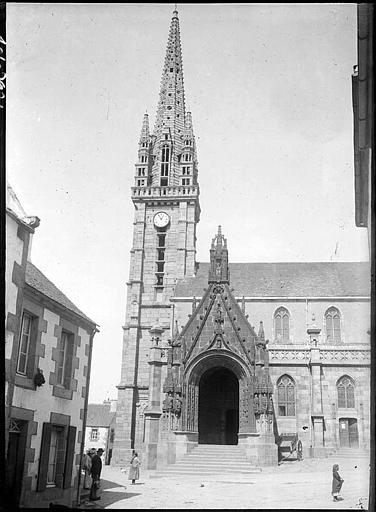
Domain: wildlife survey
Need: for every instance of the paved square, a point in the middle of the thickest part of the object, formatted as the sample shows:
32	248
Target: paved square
293	485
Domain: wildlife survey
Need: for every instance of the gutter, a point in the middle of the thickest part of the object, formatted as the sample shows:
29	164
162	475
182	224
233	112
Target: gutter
78	500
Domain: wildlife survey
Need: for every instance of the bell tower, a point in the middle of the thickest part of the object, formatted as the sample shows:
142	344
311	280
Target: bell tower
166	201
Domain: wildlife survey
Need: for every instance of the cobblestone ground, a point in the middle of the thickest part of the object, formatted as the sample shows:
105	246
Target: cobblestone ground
293	485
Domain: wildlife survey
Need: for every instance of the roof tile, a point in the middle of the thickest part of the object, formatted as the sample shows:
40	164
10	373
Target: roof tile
317	279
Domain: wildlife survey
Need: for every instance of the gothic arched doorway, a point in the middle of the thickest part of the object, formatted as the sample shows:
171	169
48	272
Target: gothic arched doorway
218	408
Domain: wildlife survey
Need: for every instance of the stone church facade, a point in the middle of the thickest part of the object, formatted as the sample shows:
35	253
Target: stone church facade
229	353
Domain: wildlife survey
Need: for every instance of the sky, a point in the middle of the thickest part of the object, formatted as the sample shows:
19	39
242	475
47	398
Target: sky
269	88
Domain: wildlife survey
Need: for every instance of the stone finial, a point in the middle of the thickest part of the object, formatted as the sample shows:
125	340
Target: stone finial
261	334
145	132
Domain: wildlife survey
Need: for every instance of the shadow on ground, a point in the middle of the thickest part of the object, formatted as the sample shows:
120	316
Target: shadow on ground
110	492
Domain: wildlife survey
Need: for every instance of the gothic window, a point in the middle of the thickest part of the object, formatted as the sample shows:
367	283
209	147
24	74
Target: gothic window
286	396
282	325
333	325
346	393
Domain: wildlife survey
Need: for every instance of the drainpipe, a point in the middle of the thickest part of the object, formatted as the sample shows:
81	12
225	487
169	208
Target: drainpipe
95	330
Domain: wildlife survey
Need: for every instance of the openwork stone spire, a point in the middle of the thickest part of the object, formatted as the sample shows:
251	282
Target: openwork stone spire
173	131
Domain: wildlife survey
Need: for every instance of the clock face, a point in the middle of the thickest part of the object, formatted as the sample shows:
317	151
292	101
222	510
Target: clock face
161	219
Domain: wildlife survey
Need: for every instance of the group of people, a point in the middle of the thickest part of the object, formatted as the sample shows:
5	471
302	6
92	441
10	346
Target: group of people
92	466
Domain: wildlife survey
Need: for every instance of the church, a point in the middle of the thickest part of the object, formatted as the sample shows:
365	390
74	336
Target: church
220	353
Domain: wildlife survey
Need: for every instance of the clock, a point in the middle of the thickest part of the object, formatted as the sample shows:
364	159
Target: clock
161	219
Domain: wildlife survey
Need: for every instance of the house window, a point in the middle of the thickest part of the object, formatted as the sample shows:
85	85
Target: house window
64	363
185	181
25	342
333	325
346	393
94	434
286	396
282	325
56	457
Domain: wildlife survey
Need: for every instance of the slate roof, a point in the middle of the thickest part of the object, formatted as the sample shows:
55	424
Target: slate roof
99	415
40	282
321	279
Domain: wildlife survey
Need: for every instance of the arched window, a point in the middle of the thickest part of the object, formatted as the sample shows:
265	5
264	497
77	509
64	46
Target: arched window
282	325
333	325
286	396
346	393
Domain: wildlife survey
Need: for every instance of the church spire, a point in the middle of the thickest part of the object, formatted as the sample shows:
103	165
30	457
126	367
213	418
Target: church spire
174	152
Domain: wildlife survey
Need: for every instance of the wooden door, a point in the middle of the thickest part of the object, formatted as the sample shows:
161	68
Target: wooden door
15	461
353	433
344	439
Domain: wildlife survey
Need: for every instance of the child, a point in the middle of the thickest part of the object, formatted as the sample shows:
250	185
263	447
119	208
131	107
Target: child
336	484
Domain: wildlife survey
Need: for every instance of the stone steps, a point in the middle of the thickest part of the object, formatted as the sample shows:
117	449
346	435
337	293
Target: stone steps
351	453
206	460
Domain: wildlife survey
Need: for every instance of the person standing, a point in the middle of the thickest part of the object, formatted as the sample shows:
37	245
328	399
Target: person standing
96	468
336	483
134	470
87	469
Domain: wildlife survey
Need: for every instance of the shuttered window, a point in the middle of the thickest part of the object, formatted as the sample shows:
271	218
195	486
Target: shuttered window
346	393
56	456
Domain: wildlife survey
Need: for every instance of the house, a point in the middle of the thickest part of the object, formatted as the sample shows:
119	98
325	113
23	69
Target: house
48	349
100	428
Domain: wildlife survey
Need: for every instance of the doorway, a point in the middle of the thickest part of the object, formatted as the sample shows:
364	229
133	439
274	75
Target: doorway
15	461
348	433
218	410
